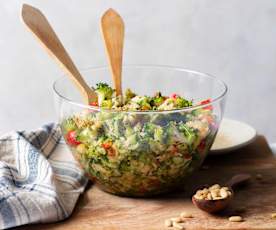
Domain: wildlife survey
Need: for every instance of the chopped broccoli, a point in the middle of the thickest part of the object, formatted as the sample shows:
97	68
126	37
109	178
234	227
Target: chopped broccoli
188	132
145	103
104	92
129	94
181	102
69	125
157	100
107	104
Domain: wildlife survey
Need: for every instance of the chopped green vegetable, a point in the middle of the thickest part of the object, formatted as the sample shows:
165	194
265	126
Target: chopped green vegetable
129	94
104	92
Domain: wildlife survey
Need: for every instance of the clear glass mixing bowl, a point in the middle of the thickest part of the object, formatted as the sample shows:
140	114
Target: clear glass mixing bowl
142	153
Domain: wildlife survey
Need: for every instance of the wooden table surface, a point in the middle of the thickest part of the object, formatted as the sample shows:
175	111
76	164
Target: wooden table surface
98	210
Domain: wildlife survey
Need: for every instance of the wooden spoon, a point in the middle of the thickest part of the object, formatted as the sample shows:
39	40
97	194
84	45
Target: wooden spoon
39	25
213	206
113	34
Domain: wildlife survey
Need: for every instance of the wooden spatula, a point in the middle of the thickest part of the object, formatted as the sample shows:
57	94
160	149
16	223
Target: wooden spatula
113	34
41	28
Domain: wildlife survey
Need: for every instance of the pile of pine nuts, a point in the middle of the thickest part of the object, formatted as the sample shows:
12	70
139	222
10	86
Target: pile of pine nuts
214	192
177	222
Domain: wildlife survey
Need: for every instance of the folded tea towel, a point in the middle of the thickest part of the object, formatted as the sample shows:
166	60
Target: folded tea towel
39	180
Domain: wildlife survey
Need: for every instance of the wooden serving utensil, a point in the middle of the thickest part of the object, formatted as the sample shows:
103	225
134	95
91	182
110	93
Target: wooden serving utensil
213	206
41	28
112	26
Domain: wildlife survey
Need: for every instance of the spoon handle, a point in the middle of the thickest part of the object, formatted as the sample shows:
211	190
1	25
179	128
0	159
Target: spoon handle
238	179
41	28
113	33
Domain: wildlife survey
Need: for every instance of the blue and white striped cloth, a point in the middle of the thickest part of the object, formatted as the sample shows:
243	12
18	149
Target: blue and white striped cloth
39	180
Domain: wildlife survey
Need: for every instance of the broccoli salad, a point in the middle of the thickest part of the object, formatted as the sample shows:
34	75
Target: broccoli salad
140	154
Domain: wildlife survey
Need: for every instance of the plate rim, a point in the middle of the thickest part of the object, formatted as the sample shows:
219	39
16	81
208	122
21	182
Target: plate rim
234	147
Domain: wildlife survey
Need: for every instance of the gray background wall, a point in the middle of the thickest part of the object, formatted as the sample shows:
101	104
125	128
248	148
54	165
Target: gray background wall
231	39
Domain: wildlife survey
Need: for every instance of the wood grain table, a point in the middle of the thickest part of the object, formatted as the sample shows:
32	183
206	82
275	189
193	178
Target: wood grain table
97	210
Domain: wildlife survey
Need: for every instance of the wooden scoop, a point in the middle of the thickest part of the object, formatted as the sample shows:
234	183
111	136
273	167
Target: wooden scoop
213	206
113	34
39	25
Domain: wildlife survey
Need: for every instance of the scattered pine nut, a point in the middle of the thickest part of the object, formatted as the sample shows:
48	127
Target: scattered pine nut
186	215
168	223
235	218
273	215
178	226
176	220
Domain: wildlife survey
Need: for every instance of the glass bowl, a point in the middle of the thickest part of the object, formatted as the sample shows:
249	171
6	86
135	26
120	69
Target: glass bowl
142	153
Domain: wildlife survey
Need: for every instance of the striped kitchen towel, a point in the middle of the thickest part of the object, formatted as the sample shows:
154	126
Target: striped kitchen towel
39	180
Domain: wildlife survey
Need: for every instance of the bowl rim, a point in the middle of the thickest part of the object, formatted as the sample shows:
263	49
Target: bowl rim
168	67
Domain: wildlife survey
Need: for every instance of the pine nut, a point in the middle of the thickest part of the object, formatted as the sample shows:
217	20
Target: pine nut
197	197
235	218
176	220
209	196
218	198
214	193
168	223
273	215
223	193
178	226
215	186
204	195
186	215
201	197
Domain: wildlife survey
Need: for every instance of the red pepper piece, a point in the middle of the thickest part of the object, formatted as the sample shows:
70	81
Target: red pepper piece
94	103
71	138
174	150
202	145
209	107
111	152
106	145
174	96
187	156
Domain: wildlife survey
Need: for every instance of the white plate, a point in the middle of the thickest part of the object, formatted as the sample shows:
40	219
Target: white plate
231	136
